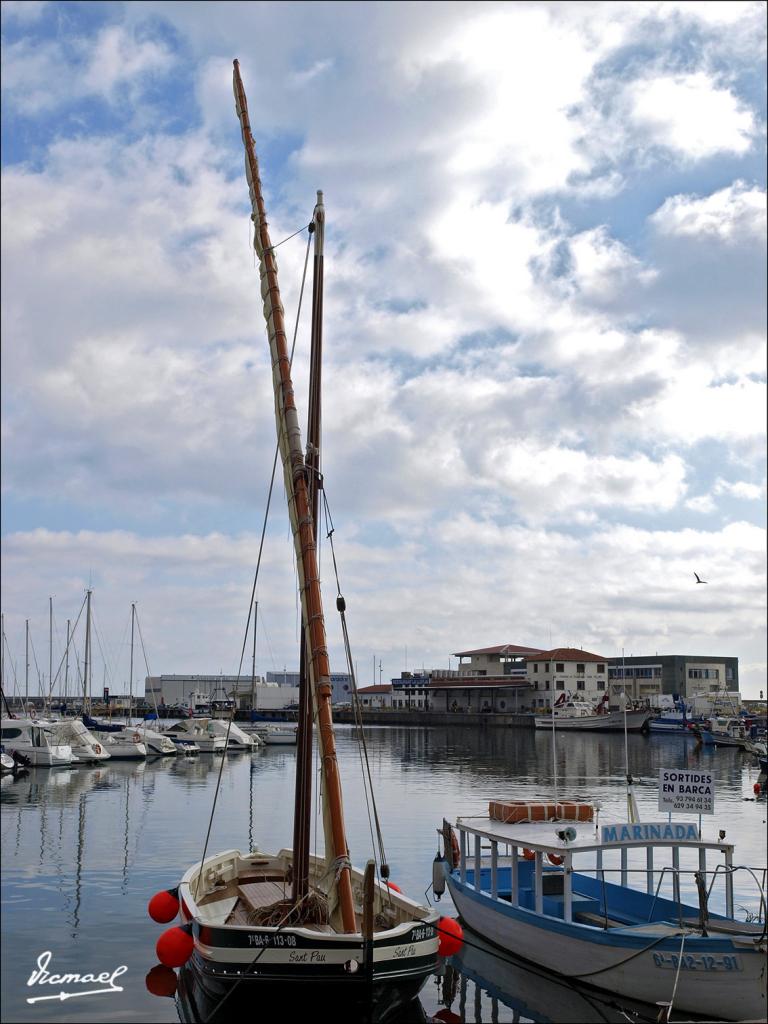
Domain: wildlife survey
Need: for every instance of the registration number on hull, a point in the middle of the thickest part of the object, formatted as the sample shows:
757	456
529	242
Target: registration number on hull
689	962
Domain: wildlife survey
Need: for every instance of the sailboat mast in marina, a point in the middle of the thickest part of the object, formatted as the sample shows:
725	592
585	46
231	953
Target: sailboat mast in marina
297	915
296	478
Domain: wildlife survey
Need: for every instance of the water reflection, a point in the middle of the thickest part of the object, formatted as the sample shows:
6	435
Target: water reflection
484	984
196	1006
84	848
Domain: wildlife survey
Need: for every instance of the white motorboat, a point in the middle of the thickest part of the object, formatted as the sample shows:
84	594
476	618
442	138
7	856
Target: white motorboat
199	731
35	741
157	744
278	736
588	905
123	743
236	738
87	747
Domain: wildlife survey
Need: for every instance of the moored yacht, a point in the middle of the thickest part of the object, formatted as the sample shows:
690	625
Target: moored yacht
200	731
35	741
86	746
124	744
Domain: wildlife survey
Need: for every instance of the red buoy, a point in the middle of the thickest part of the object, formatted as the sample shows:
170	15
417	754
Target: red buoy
163	906
161	981
174	947
451	936
447	1017
395	888
756	789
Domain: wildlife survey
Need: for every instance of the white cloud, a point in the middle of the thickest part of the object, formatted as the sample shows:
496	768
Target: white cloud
703	503
740	489
602	265
691	115
24	11
80	67
734	214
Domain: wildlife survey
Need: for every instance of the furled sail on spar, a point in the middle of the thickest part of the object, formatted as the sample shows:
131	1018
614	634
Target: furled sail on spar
302	527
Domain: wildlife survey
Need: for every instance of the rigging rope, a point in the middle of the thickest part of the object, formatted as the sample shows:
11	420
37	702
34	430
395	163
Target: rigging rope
362	745
256	574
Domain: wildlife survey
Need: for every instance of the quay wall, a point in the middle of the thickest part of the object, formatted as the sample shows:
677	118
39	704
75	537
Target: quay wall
422	718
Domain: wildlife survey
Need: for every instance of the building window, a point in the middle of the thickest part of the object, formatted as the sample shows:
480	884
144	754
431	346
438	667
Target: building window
601	669
546	684
502	703
535	668
600	684
580	668
559	667
560	684
579	684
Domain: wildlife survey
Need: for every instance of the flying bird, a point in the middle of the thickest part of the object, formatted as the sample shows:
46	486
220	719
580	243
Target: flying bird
698	578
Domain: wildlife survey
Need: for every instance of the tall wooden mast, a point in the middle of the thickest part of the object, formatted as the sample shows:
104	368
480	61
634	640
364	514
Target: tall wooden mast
302	524
302	820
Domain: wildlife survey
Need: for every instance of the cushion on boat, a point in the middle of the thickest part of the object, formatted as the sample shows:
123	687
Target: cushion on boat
527	810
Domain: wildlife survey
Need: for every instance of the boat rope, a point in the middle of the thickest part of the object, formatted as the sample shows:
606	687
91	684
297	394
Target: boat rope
668	1013
626	960
255	581
370	798
305	227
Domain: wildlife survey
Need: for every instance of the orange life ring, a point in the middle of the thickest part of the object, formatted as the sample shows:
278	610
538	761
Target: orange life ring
455	851
528	854
136	738
96	748
555	858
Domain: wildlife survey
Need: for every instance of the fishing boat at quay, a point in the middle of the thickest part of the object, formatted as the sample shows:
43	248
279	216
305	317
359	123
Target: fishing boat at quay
571	713
583	900
296	924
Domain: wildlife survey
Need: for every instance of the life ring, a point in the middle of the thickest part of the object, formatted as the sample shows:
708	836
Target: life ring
97	748
136	738
455	851
32	713
528	854
555	858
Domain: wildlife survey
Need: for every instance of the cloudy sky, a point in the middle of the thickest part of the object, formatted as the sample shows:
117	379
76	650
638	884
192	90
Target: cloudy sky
545	311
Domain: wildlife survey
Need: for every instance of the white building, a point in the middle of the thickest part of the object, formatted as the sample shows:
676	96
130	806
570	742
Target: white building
172	690
569	669
376	696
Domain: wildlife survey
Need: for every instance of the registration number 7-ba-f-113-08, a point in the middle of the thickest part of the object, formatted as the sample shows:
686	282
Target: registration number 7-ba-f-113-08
706	962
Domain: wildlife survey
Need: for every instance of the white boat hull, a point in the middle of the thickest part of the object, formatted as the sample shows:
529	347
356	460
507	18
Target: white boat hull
122	747
637	721
645	974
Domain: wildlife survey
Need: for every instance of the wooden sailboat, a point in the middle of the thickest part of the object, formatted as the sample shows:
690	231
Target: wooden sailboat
278	919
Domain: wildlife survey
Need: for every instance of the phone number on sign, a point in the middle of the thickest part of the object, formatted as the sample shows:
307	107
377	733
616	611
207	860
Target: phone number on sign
697	963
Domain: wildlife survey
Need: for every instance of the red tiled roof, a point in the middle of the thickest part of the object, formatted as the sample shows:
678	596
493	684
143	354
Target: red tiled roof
383	688
566	654
502	649
473	682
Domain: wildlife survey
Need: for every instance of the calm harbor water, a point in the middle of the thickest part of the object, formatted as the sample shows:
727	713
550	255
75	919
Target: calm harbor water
83	849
